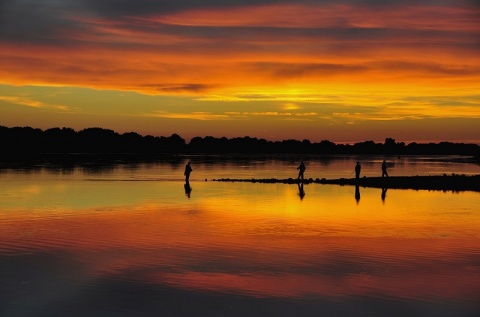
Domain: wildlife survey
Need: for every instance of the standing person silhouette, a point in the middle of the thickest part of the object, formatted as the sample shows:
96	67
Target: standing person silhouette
301	169
358	168
188	170
384	169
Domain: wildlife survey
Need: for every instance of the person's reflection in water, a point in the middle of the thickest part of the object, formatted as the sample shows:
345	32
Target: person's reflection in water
301	192
384	193
188	189
357	193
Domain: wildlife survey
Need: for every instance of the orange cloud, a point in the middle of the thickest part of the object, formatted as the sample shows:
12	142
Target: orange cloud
331	15
195	51
345	61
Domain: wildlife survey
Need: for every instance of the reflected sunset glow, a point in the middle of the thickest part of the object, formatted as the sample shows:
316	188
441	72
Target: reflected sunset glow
256	244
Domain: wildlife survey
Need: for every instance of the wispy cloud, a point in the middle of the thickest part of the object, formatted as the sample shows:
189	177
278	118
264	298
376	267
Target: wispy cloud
407	111
27	102
204	116
272	114
231	115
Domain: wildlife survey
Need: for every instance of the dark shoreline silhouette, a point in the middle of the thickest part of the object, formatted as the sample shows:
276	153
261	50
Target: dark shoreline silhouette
444	182
19	141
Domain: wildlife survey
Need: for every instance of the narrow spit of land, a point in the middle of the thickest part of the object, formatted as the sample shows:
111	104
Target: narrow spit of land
443	182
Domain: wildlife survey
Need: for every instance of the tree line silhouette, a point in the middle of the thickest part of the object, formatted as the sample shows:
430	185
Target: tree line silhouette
27	140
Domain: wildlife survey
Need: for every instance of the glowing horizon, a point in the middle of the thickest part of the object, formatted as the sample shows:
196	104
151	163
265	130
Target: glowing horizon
343	71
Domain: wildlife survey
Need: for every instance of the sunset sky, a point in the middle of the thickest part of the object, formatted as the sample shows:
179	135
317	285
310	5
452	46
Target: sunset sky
338	70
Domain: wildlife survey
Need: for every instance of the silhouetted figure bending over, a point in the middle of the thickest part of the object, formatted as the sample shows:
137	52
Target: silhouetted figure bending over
301	169
384	169
188	170
358	168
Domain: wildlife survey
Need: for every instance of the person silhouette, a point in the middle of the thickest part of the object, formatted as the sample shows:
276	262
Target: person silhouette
358	168
384	169
301	169
188	170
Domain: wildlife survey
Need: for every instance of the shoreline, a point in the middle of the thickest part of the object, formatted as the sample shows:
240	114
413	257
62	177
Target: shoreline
26	161
444	182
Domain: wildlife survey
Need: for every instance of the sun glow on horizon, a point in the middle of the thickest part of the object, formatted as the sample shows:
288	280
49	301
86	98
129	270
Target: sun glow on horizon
272	63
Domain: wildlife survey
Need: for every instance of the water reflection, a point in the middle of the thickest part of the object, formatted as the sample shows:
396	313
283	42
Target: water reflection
357	193
188	188
301	192
384	194
130	243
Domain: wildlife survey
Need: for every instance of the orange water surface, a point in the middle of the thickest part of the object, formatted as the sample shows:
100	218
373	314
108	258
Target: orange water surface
128	244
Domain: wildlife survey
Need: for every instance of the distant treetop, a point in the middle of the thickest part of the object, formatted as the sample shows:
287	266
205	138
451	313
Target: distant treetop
25	140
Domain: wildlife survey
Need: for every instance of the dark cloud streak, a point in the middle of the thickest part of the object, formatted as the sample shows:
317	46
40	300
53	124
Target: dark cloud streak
182	88
115	8
54	22
112	8
38	21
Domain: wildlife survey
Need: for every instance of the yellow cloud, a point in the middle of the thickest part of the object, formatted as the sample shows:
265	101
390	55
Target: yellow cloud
192	116
290	106
32	103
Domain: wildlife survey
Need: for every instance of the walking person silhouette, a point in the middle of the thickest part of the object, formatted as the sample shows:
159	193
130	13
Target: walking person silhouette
301	169
384	169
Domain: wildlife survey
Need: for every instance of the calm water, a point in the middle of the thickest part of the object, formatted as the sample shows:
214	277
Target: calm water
127	240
